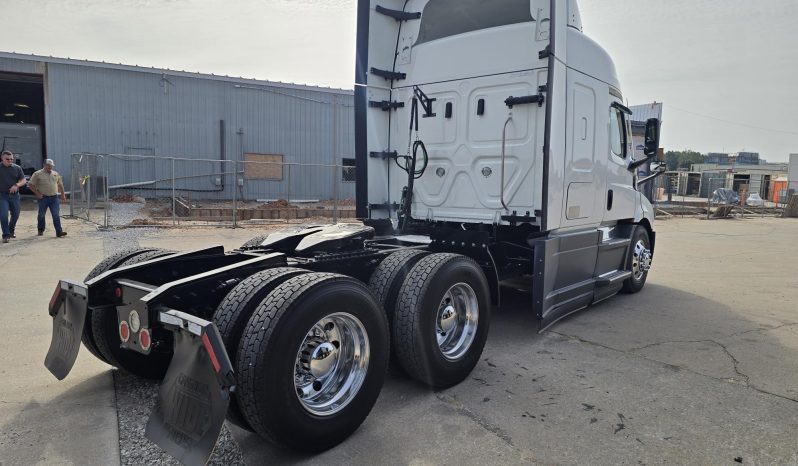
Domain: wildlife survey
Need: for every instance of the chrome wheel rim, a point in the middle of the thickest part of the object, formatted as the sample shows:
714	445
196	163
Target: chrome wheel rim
331	364
456	321
641	260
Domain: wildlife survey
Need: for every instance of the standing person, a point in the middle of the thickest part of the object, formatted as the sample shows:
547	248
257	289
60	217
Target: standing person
46	184
11	179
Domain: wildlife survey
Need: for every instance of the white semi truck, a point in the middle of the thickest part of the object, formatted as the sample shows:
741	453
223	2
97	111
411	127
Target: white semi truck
492	143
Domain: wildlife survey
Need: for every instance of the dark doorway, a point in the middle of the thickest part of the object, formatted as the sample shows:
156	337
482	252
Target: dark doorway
22	118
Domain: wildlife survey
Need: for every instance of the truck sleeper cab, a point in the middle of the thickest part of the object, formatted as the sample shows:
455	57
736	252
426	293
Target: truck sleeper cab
491	143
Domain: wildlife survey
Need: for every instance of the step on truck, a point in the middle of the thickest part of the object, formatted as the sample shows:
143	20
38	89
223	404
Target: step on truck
492	143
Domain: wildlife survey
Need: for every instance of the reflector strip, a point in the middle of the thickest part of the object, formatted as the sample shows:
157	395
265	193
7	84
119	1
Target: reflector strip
55	295
211	353
168	319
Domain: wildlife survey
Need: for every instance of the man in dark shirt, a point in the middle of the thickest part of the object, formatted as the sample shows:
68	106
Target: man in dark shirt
11	179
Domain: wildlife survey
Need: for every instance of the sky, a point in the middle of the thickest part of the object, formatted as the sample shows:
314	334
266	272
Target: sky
726	70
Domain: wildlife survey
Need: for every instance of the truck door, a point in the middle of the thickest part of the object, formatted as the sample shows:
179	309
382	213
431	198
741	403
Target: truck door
621	194
584	187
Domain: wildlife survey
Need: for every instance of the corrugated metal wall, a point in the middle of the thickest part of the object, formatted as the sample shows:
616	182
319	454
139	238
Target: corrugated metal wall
14	65
120	111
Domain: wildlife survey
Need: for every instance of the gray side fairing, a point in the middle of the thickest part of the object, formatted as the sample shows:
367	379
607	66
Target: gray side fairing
576	269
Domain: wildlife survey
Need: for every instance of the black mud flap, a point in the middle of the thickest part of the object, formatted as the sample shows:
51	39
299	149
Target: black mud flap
195	393
68	309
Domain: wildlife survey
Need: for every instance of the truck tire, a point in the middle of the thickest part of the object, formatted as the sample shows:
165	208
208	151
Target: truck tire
234	312
312	361
388	277
254	242
639	261
110	262
106	337
442	319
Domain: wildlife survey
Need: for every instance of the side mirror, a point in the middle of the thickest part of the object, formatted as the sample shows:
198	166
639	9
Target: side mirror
658	167
656	170
652	137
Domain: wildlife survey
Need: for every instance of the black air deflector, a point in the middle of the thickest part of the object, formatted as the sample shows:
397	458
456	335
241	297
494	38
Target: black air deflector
398	15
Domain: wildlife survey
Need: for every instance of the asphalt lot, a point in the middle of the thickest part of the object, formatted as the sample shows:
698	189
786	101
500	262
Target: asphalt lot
700	367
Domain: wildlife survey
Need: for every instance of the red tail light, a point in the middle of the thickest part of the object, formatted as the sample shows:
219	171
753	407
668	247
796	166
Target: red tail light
124	331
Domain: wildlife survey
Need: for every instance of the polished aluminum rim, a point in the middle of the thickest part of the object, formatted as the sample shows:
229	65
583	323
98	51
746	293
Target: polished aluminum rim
457	320
641	260
331	364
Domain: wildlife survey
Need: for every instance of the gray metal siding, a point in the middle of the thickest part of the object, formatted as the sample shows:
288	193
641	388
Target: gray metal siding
118	111
15	65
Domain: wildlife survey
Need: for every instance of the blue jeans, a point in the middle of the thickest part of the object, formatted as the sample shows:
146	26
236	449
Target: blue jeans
9	203
54	205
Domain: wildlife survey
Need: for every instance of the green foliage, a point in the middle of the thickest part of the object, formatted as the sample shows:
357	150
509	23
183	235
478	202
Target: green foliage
682	159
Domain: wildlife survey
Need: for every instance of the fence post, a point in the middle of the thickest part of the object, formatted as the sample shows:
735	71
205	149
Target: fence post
107	191
235	193
154	180
709	195
174	197
88	192
72	186
336	173
288	196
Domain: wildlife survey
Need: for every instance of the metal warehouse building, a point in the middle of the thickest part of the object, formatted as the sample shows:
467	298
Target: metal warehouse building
54	107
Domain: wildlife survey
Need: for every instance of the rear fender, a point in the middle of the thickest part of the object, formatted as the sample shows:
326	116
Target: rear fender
195	393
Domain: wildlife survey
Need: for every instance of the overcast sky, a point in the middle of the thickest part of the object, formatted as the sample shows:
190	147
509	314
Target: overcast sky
726	70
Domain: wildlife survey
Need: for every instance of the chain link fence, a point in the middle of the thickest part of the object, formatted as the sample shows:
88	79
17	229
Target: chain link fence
717	194
115	190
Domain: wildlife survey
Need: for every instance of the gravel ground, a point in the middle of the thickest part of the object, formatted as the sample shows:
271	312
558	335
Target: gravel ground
135	398
122	213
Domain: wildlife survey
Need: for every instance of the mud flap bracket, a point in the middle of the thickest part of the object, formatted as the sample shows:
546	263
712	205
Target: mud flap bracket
195	392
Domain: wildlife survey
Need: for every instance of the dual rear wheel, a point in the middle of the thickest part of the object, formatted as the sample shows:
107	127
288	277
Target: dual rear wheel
311	349
440	315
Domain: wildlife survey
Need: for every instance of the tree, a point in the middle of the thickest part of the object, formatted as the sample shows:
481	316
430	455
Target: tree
682	159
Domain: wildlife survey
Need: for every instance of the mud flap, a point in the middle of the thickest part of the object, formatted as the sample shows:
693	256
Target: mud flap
195	393
68	309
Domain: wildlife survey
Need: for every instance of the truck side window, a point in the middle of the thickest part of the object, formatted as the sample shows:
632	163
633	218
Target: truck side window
445	18
617	133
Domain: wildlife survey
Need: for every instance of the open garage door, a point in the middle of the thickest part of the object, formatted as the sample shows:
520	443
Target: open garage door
22	118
